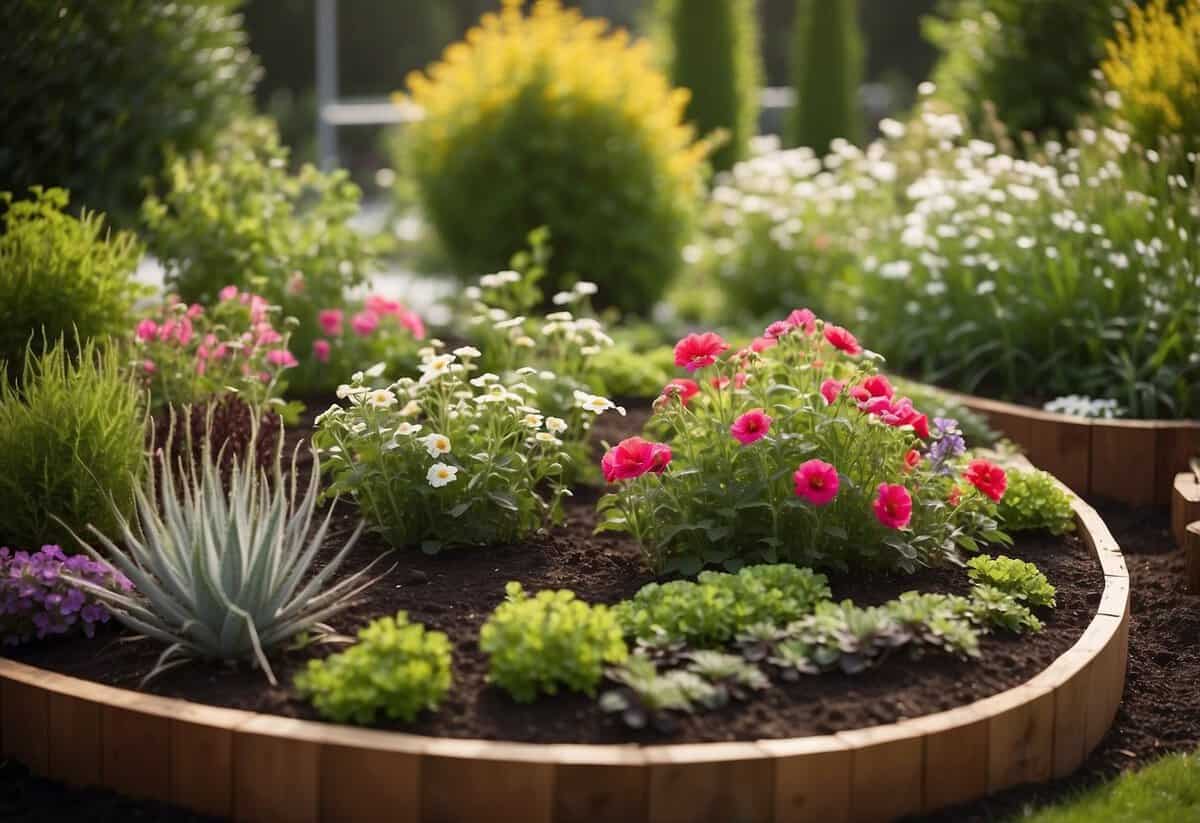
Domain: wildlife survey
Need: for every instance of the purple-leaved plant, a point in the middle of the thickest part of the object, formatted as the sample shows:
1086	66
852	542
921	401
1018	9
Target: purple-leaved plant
39	598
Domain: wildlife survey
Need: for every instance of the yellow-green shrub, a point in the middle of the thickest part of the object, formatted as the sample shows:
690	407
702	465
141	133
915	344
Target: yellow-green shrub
551	119
1154	65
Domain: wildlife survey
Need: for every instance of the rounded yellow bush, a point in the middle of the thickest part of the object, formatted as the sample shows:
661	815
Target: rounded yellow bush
1153	64
543	117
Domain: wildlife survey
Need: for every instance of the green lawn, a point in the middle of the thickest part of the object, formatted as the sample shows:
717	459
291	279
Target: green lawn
1165	792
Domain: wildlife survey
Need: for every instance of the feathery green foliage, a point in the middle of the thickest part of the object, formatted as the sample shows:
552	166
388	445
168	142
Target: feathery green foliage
61	277
1034	500
396	669
72	435
712	46
225	569
97	92
536	644
827	66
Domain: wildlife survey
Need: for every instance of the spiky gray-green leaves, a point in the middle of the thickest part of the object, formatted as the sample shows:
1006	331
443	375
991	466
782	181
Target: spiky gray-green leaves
712	50
827	67
224	569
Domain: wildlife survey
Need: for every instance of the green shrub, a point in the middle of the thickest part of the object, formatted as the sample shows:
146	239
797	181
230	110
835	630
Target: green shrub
827	66
619	371
712	47
99	91
549	120
718	606
72	437
61	277
537	644
1034	500
1032	59
237	216
396	669
1022	580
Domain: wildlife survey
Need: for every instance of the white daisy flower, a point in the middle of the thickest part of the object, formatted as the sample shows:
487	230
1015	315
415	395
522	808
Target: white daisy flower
408	429
376	370
586	288
547	437
411	408
531	420
436	444
467	351
524	341
381	399
556	425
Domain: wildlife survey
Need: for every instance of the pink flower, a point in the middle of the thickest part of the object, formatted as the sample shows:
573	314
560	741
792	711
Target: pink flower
682	388
167	330
912	459
258	307
146	330
365	323
803	319
633	457
267	335
893	506
382	306
761	344
321	349
281	357
778	329
331	322
412	321
195	310
817	482
955	496
897	412
148	367
228	293
842	339
739	381
751	427
988	478
185	331
830	389
699	350
876	385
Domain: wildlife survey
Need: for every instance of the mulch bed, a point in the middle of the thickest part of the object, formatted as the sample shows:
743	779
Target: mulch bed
455	592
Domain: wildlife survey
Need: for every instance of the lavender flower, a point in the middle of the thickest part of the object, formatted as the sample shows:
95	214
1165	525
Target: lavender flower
948	443
40	598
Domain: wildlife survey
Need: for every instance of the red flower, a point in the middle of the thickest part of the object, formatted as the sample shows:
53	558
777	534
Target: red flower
778	329
803	319
682	388
830	389
920	425
816	481
893	506
897	412
750	427
911	460
842	339
634	457
988	478
876	385
699	350
955	496
739	381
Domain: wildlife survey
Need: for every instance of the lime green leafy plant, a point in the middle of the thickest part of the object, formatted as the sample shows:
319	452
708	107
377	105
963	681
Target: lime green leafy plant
1022	580
1034	500
396	670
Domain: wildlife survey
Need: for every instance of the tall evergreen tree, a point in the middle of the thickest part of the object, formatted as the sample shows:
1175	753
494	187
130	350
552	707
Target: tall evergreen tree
827	67
712	49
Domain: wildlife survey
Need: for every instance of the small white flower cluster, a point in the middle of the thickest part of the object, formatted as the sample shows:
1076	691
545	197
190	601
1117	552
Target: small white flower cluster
1078	405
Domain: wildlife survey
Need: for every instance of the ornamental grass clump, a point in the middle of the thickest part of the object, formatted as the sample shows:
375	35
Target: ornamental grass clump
72	440
535	645
796	449
39	597
396	670
546	118
450	459
225	567
61	276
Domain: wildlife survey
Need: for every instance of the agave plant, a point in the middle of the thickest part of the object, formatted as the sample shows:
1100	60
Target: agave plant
222	570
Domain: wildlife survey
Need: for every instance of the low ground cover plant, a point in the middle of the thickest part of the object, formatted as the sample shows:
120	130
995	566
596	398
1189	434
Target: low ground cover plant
72	436
552	640
396	670
1024	581
224	566
795	449
63	277
1034	500
39	598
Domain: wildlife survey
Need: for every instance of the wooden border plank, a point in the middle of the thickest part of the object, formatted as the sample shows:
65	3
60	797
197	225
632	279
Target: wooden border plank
137	752
1020	736
517	788
812	778
710	781
612	789
887	771
1063	447
26	725
1124	460
1185	505
1178	442
276	770
955	766
76	748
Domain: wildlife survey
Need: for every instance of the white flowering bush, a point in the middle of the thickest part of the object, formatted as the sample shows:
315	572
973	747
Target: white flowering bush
453	458
1072	270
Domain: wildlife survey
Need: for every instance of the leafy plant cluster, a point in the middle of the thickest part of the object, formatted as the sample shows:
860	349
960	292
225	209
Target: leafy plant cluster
1034	500
536	645
39	598
566	125
718	606
396	670
1067	271
107	89
1018	578
795	449
63	277
72	435
236	215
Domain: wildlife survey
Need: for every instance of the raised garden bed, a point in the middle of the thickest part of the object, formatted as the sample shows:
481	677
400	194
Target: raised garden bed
1031	710
1127	461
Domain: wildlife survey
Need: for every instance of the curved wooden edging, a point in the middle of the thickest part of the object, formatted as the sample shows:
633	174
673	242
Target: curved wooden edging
1129	461
260	767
